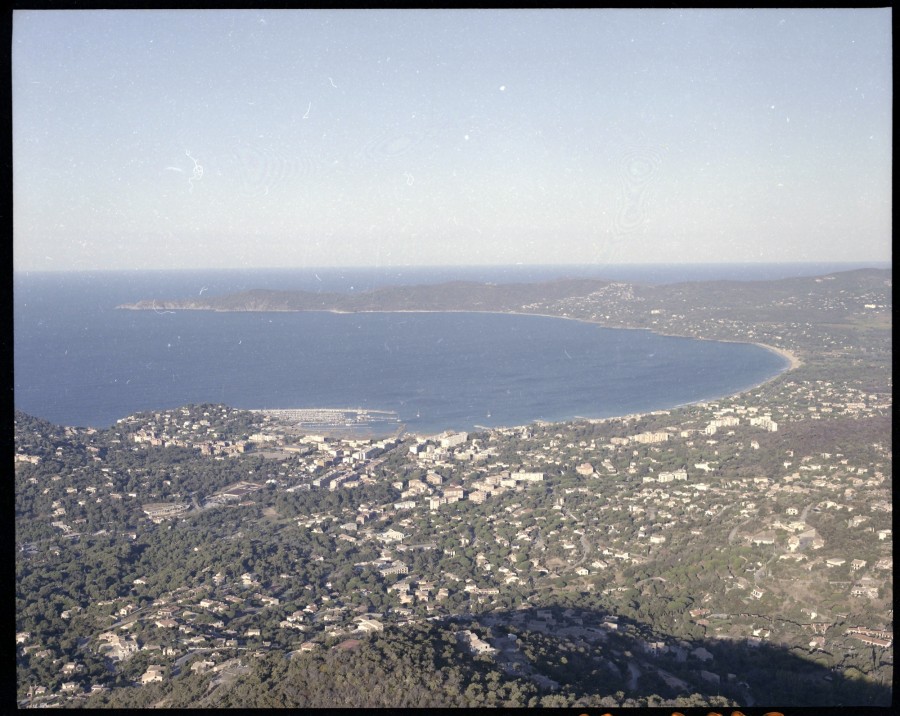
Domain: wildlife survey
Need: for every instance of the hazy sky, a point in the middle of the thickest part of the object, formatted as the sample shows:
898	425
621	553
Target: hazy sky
175	139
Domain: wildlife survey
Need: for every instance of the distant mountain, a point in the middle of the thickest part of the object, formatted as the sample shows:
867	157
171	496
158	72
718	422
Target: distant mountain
739	296
453	296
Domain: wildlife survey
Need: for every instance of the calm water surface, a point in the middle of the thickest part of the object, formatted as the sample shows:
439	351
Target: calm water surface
79	361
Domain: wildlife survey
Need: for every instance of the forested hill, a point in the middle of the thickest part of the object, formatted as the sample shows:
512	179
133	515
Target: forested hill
454	296
779	298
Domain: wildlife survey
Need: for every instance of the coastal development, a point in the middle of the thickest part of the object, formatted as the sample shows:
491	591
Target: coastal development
732	552
336	420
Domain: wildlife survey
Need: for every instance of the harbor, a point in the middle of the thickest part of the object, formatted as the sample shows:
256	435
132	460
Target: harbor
337	421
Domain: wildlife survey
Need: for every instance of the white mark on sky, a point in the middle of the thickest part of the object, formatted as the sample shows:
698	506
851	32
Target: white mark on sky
306	116
201	291
198	170
332	83
409	178
175	169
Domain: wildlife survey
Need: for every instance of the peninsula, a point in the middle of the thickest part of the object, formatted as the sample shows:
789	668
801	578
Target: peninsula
796	317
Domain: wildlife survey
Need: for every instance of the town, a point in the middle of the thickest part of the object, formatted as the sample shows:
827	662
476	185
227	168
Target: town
202	540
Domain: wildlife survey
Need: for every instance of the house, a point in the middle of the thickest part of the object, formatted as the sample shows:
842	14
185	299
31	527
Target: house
370	625
391	535
476	644
761	538
154	672
866	587
395	567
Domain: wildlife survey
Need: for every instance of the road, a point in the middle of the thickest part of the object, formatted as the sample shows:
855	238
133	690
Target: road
735	529
585	545
806	511
649	579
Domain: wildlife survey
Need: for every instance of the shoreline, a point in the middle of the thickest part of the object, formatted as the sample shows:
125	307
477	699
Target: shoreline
793	361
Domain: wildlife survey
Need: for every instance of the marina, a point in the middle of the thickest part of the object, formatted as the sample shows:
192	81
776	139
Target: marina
336	420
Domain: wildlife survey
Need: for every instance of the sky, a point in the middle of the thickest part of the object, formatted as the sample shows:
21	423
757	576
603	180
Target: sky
296	138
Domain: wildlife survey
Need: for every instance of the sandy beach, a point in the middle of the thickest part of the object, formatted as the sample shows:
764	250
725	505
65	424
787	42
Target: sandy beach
795	362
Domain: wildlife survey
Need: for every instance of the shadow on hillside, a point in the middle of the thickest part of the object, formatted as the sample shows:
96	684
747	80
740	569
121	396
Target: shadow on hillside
616	654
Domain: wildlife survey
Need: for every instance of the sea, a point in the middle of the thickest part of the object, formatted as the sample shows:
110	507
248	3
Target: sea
80	361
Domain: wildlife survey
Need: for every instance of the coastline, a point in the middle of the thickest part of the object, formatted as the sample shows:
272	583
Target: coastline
793	360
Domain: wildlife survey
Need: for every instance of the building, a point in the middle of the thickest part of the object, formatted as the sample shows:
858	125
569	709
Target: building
370	625
163	510
391	535
154	672
765	422
395	567
454	494
650	438
454	439
528	476
761	538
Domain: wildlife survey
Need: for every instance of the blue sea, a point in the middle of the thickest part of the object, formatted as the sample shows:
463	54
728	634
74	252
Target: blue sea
80	361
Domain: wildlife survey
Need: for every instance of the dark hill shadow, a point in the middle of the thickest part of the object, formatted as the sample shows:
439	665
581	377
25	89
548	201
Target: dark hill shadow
597	653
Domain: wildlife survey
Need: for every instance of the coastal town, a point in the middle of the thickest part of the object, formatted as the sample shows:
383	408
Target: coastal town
664	543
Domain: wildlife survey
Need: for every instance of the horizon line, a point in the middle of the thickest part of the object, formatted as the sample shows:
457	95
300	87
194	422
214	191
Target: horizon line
879	264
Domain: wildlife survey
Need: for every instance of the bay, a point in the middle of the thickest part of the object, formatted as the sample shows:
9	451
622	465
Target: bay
79	361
